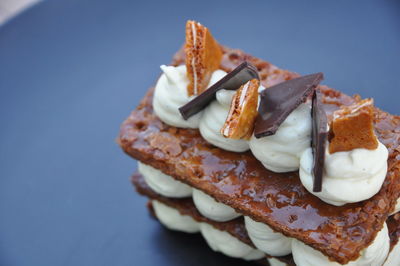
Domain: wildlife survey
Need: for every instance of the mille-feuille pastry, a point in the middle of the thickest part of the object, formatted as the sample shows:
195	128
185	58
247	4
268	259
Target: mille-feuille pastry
313	171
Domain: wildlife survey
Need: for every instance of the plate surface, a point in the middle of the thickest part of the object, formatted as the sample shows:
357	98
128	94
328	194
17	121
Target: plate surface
72	70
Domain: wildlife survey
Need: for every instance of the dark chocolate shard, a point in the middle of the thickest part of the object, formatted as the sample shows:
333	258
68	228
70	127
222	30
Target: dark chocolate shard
231	81
318	140
277	102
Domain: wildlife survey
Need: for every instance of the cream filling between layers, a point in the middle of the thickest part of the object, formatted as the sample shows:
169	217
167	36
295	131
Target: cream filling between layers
266	239
275	262
212	209
373	255
281	152
360	169
225	243
173	220
167	186
163	184
219	241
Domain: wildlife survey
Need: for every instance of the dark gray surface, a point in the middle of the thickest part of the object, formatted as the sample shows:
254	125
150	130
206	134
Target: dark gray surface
71	71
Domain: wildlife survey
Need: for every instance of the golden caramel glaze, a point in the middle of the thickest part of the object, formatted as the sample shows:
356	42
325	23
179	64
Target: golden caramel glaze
352	127
243	112
185	206
240	181
203	57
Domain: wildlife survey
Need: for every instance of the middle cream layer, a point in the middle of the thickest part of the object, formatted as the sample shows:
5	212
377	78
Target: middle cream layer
218	241
262	236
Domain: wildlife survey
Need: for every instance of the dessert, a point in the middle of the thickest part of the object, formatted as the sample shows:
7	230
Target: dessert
288	207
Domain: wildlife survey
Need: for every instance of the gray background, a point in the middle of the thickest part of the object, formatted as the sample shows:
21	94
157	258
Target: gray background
71	71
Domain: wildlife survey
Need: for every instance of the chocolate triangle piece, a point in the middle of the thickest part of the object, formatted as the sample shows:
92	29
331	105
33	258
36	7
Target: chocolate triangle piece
318	139
278	101
231	81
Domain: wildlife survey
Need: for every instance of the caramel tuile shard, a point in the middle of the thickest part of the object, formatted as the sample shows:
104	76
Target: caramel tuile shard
352	127
243	112
203	57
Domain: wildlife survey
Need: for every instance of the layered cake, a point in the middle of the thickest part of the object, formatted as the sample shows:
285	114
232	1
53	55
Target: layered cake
268	165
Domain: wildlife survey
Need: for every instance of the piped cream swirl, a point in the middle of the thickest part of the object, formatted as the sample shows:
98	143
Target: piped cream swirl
213	120
212	209
163	184
349	176
218	241
171	93
281	152
223	242
266	239
173	220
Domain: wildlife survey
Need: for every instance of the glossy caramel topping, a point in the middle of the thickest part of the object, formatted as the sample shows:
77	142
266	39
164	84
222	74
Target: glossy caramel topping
240	181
